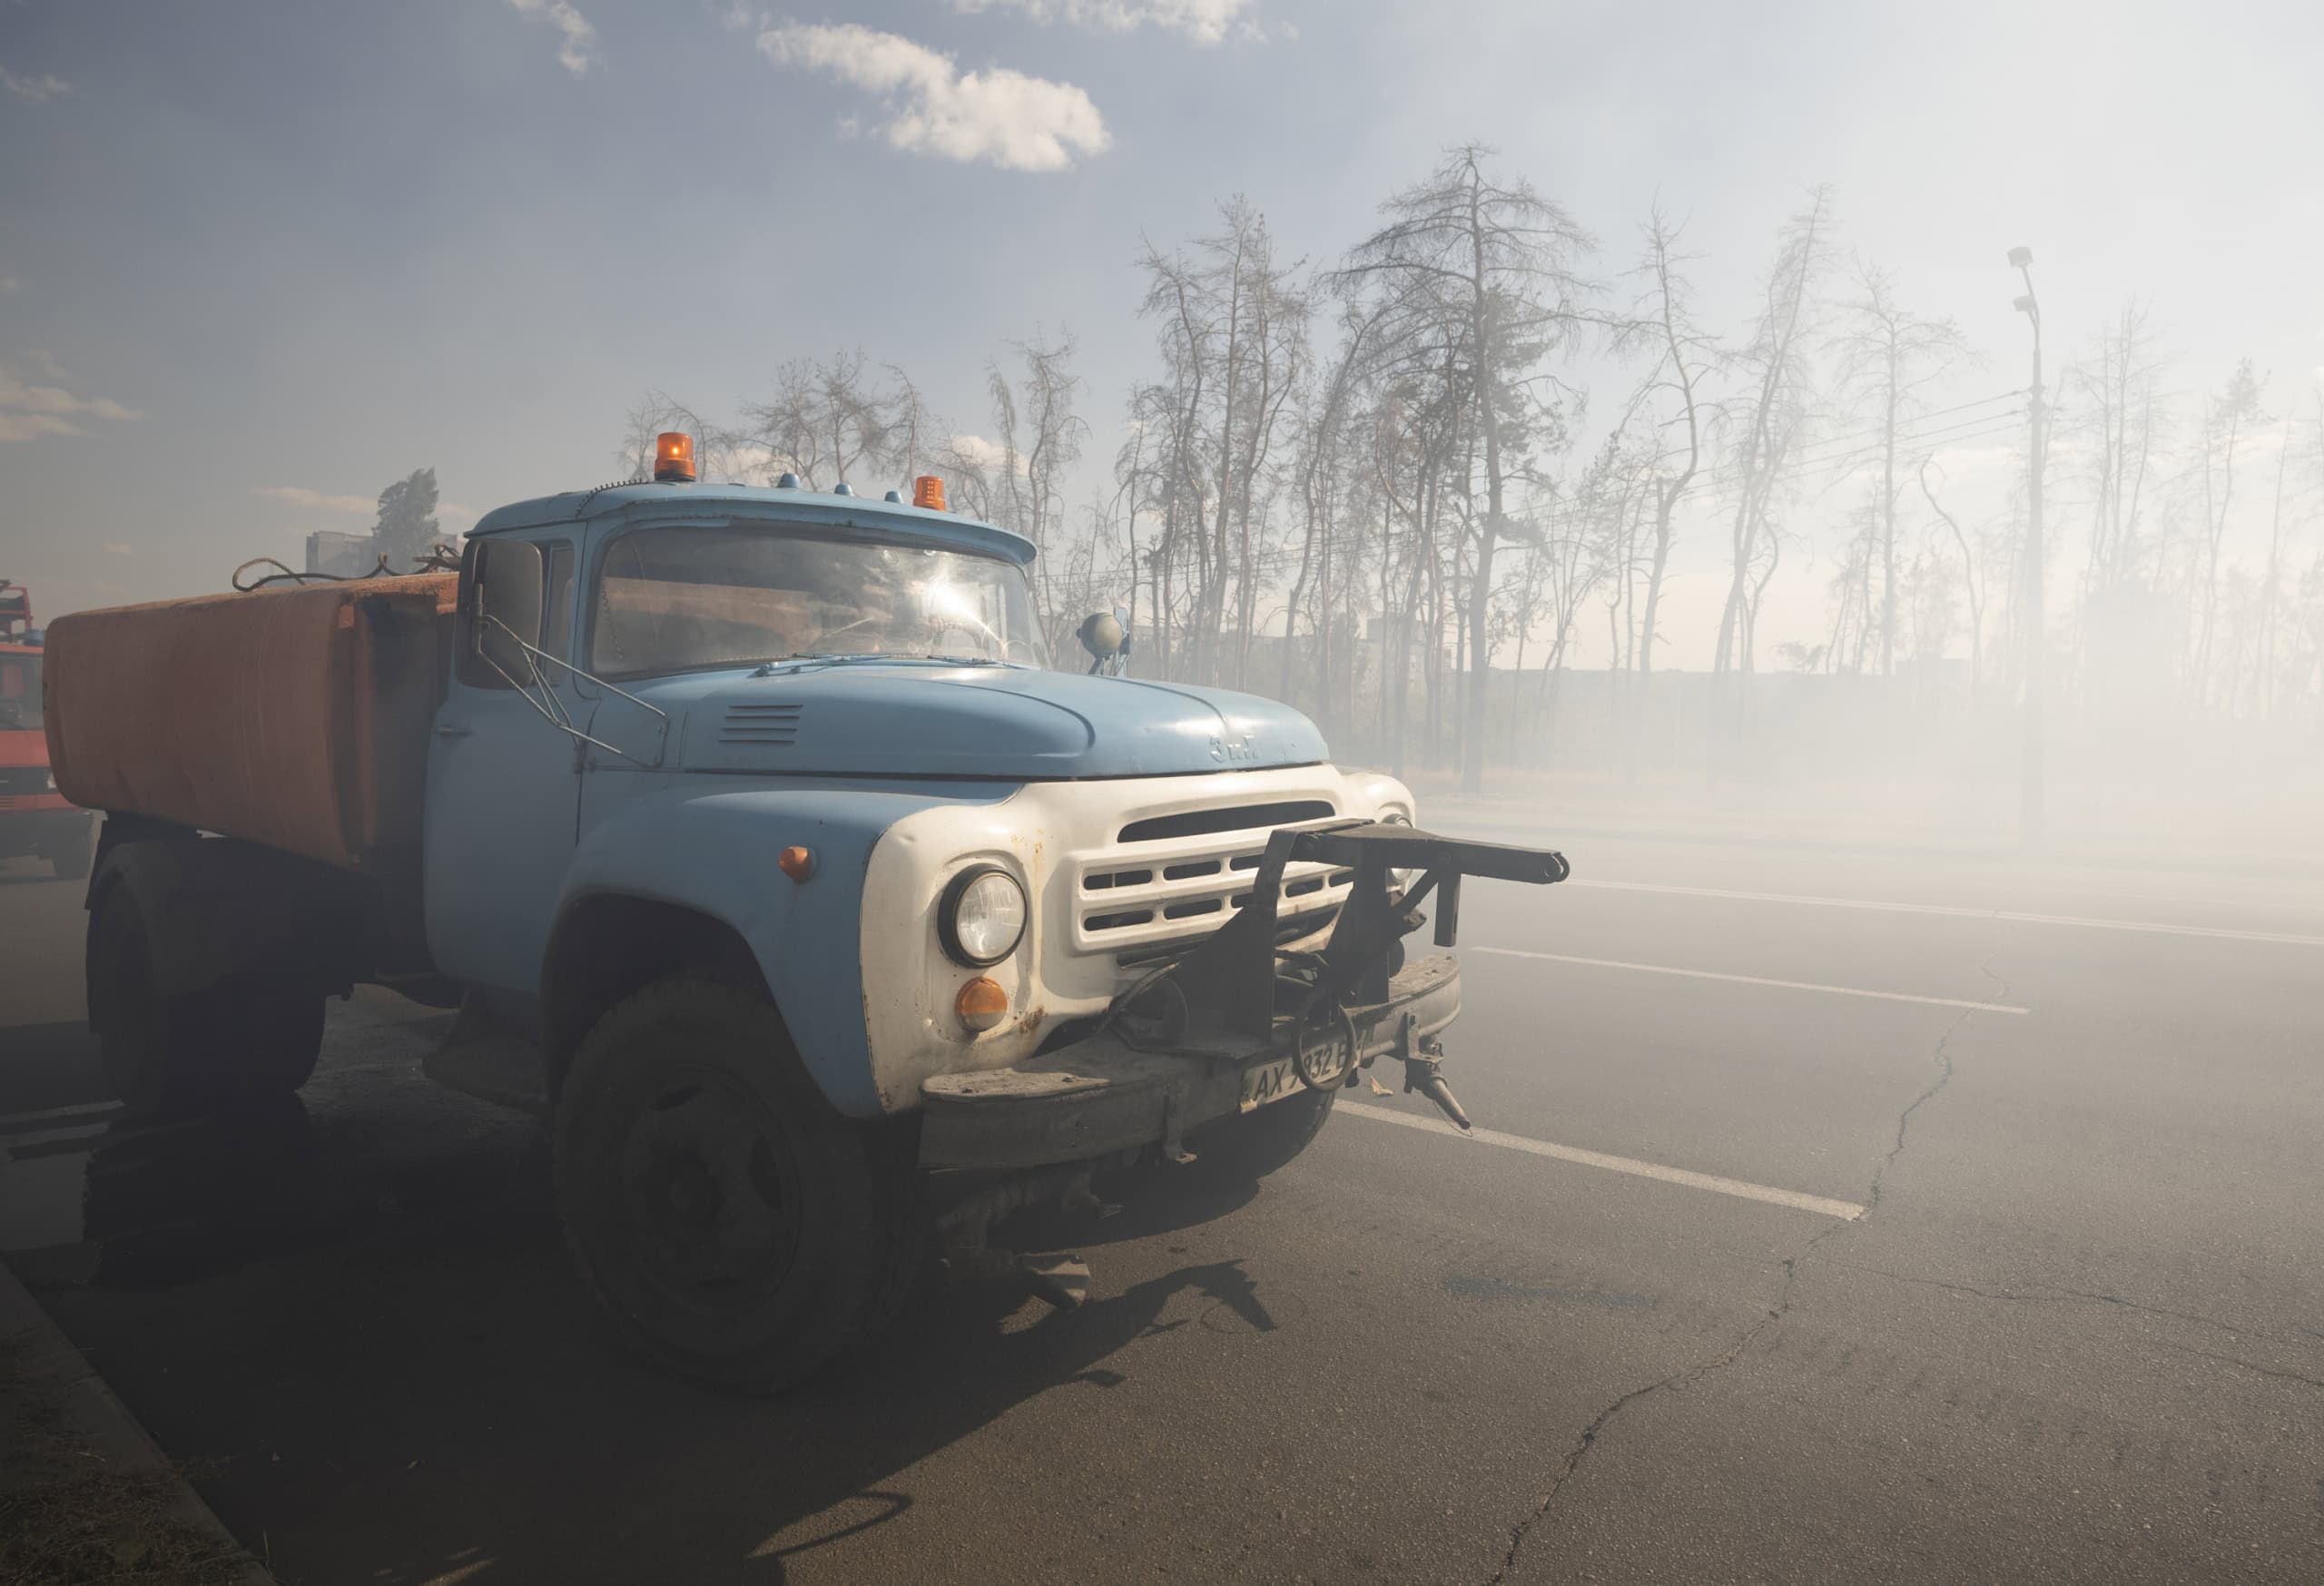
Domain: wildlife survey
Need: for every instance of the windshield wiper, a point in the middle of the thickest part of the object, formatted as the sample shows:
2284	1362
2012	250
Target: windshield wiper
808	658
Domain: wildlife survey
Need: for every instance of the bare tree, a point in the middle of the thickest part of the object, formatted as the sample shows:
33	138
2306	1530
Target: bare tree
1476	278
1889	357
2263	668
826	421
2233	412
1776	358
1323	493
2120	427
1041	439
1673	386
914	430
1969	582
1234	334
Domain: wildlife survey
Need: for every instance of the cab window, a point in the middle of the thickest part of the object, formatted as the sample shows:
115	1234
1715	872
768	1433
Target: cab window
557	616
557	599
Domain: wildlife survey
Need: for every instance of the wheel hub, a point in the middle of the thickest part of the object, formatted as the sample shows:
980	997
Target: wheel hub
708	1196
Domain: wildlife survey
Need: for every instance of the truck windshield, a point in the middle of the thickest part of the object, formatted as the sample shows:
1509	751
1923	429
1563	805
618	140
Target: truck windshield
19	692
688	599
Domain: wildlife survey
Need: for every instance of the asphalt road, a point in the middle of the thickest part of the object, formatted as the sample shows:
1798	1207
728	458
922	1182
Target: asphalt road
2073	1333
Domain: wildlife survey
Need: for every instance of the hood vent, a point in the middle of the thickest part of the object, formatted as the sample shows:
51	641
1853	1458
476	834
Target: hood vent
767	725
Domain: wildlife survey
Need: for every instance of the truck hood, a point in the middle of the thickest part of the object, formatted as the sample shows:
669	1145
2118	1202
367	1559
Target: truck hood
902	718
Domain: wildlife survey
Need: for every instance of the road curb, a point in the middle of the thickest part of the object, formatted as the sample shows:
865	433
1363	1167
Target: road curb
95	1416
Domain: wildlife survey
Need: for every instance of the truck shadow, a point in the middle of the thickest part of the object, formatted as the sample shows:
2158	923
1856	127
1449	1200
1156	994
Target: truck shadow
355	1316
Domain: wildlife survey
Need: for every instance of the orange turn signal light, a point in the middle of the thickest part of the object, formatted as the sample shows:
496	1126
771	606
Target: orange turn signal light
981	1003
927	491
674	456
796	863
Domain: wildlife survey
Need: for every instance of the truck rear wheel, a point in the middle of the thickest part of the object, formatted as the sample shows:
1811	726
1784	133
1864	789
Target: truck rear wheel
1248	1146
738	1231
188	1051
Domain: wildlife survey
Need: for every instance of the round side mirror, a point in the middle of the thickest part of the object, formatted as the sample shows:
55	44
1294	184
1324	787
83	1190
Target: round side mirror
1106	636
1101	634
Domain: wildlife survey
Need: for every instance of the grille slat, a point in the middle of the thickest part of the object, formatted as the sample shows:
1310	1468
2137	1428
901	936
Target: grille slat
1174	879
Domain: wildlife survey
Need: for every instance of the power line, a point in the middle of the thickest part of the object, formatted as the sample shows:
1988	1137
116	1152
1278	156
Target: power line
1905	427
1997	424
1951	433
1918	419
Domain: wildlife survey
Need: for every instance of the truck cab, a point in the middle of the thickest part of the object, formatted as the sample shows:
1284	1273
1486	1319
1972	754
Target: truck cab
765	853
728	673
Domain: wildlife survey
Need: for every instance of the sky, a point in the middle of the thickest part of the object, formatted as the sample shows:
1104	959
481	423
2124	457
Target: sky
259	258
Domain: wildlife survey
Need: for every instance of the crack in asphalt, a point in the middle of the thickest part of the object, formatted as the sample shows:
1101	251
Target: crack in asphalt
1678	1379
2279	1372
2052	1296
1791	1265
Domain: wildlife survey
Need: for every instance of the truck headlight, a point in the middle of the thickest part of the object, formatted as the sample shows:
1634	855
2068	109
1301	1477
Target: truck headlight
982	916
1400	881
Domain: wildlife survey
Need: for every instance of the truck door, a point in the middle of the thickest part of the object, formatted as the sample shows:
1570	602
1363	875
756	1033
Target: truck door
503	797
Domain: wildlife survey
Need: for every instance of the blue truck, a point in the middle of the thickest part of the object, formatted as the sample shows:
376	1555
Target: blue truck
762	852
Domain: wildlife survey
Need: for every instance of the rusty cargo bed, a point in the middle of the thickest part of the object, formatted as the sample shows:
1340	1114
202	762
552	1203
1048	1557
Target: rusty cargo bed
297	718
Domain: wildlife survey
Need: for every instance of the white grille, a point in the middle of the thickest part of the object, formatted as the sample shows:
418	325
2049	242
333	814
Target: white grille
1131	897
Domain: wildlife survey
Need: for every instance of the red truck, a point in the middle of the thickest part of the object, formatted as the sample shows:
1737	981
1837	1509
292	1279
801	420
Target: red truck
34	818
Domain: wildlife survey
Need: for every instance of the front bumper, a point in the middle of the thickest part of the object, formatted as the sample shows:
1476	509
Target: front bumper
1100	1096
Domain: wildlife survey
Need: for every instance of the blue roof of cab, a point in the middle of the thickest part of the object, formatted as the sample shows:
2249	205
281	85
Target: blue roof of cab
658	503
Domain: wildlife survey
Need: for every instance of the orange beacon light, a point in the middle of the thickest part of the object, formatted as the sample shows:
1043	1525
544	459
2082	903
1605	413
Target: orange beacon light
673	457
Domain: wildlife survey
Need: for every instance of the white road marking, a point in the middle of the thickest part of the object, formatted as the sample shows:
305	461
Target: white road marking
2013	916
1847	1211
1608	963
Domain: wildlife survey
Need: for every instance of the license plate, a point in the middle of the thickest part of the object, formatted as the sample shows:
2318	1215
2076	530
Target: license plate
1270	1082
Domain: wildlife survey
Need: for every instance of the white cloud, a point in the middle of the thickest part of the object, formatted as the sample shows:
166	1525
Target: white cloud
38	90
33	426
985	454
455	510
29	411
1205	22
315	500
1004	117
116	547
578	50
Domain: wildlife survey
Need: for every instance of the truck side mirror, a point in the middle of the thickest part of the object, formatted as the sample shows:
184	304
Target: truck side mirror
1106	636
1102	636
507	618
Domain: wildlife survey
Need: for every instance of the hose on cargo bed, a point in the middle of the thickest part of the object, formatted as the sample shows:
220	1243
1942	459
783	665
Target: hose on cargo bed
436	559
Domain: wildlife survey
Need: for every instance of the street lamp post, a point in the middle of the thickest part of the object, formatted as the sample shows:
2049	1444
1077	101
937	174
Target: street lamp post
2030	808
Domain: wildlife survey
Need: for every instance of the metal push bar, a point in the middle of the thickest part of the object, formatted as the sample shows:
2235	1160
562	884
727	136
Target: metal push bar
1235	971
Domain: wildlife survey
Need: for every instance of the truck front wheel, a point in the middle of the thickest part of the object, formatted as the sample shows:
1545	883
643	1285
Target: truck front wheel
188	1050
738	1231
